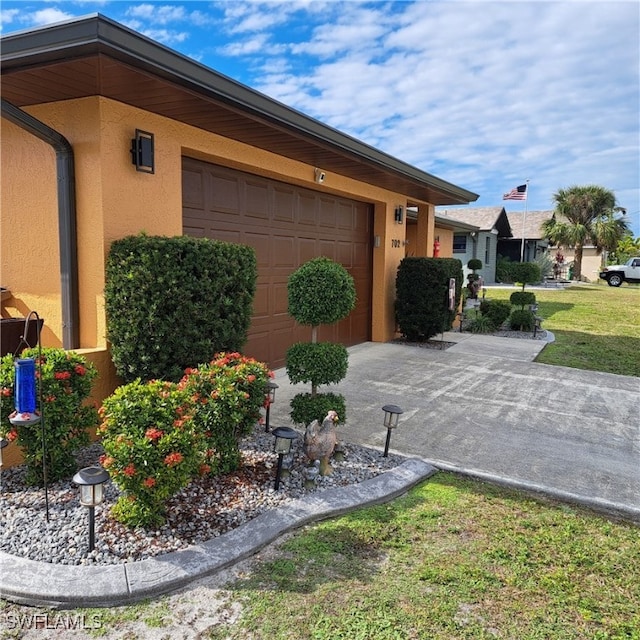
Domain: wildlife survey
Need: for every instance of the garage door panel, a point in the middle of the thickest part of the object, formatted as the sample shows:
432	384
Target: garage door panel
261	244
307	210
283	251
327	217
193	189
287	226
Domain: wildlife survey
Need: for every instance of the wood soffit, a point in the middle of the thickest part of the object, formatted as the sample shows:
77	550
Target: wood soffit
46	71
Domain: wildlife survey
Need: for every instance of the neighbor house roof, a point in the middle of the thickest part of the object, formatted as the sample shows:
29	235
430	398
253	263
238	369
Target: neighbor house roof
485	218
97	56
532	221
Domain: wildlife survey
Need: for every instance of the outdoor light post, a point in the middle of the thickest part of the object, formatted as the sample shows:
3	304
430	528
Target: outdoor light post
282	446
91	482
391	415
270	393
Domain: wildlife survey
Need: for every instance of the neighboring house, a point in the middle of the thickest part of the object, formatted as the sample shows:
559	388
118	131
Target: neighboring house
445	229
212	158
592	262
486	226
525	226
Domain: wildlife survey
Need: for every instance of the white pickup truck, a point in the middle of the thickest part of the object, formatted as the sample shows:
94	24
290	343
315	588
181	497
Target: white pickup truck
616	274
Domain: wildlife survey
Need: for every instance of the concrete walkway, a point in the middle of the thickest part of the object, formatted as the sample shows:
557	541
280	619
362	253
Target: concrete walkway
481	407
484	408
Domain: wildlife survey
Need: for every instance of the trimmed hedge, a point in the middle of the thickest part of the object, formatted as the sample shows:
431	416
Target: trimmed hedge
522	298
422	289
317	363
497	311
525	273
173	303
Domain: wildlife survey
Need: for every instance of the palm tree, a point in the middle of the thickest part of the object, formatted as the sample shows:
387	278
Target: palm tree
584	215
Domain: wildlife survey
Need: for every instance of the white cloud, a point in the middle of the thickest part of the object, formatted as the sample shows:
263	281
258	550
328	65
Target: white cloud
49	16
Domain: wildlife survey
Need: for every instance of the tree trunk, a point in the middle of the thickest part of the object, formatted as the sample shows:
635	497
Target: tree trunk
314	339
577	263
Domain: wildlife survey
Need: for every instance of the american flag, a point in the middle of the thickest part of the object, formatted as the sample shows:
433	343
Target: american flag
519	193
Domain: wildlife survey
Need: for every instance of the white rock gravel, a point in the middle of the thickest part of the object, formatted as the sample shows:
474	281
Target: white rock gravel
205	509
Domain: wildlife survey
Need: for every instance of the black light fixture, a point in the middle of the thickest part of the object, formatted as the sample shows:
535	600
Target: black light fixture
91	482
399	214
284	438
142	152
391	414
270	398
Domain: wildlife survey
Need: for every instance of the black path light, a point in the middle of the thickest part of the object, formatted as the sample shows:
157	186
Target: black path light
91	482
282	446
270	398
391	414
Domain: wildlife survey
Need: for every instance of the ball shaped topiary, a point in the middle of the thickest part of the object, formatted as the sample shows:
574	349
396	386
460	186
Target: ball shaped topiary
321	291
474	264
522	298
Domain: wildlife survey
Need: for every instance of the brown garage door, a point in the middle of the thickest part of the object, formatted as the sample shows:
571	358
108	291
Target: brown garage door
286	226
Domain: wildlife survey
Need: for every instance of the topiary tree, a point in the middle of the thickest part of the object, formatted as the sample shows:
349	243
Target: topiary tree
522	298
525	273
321	291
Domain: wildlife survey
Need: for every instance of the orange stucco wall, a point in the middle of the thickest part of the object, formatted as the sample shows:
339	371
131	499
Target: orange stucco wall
114	200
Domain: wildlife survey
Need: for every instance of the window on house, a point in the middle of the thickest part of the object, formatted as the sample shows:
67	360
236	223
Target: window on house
487	250
459	244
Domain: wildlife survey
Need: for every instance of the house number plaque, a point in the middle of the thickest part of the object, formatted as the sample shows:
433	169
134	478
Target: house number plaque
395	243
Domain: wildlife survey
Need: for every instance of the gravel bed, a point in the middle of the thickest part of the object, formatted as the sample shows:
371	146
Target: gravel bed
207	508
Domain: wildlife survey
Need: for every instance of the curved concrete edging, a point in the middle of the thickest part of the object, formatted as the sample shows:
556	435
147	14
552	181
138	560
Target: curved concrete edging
61	586
600	505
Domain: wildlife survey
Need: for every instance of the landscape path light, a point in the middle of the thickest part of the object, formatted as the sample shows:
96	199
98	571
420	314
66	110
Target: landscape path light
284	439
91	482
391	414
270	393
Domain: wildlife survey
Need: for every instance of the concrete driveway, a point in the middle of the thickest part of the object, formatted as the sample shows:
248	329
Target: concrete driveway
484	408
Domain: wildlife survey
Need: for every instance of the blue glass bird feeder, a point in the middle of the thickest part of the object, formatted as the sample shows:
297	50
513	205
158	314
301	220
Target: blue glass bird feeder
25	393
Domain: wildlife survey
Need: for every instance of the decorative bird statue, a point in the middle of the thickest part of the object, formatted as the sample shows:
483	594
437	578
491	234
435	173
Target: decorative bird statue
320	440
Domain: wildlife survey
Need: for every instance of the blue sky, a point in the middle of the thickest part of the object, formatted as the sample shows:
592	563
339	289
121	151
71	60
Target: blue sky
485	95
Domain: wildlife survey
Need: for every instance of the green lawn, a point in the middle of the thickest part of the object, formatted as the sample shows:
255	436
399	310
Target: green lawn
596	327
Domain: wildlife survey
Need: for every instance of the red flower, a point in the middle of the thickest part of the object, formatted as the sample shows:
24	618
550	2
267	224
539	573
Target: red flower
129	470
149	483
80	370
106	461
12	435
251	378
204	469
153	434
173	459
6	391
50	399
62	375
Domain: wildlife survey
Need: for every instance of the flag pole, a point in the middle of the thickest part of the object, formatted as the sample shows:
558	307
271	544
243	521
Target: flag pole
524	221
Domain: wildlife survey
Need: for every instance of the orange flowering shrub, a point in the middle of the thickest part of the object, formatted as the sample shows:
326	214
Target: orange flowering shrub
158	436
226	396
151	448
66	379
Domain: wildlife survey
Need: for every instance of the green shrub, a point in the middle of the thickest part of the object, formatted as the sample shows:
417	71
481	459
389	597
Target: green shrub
173	303
317	363
422	290
481	324
522	298
503	269
522	320
305	407
496	310
225	398
152	448
525	273
66	379
321	291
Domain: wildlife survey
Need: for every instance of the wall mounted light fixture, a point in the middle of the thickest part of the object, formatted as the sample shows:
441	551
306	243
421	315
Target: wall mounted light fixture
142	152
319	175
399	214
